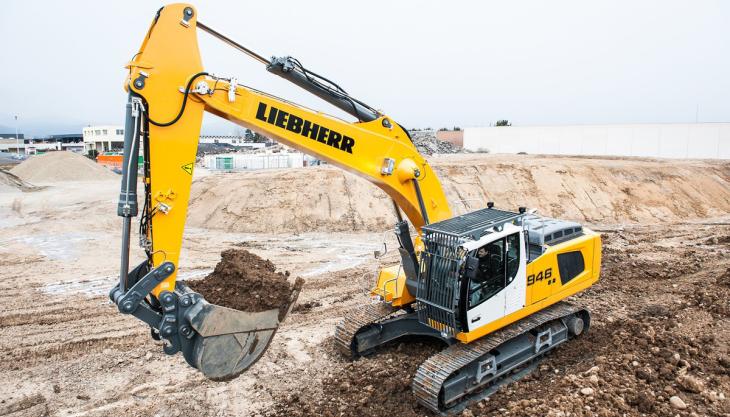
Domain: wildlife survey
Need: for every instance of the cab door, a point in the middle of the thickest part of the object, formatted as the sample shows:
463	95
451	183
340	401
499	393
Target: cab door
496	286
516	258
485	296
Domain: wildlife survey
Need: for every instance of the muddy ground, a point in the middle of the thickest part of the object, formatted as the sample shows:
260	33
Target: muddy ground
659	330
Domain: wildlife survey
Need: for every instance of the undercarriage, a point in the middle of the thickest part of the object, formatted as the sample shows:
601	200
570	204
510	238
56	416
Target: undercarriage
463	373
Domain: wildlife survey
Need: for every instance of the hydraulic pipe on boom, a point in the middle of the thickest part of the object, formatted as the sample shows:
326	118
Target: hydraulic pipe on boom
291	70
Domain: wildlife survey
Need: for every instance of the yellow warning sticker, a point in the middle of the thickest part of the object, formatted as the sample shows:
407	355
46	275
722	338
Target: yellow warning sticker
188	168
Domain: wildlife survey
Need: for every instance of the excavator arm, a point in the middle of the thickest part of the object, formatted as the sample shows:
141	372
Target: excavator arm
168	93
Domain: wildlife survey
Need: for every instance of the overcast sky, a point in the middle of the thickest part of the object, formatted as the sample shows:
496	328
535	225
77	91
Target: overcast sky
426	64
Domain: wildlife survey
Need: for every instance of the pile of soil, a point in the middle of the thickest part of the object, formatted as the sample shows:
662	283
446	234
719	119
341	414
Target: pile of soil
663	373
378	385
61	166
11	182
246	282
427	143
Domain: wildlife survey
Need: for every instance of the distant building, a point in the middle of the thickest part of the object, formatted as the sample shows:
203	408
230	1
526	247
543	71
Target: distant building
251	162
238	141
11	136
73	142
103	138
111	139
31	146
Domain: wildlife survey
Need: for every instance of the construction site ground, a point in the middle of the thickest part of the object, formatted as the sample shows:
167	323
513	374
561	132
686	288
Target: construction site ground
661	310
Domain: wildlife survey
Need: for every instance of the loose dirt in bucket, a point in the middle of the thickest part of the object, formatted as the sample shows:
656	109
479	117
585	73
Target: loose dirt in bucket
246	282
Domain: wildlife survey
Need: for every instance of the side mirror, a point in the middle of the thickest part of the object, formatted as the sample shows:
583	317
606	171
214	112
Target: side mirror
472	267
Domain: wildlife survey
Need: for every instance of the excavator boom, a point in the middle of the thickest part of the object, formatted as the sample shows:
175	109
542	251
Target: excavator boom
168	93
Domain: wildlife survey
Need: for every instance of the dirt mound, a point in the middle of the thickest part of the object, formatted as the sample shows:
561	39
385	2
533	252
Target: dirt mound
583	189
61	166
293	200
610	379
364	387
11	182
246	282
427	143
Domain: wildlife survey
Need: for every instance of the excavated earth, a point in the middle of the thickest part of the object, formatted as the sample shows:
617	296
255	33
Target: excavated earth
245	281
658	343
595	190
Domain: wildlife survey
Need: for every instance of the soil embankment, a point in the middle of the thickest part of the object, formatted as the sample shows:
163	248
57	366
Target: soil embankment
10	182
594	190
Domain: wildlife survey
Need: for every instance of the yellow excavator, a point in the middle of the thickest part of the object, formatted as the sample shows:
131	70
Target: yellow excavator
490	284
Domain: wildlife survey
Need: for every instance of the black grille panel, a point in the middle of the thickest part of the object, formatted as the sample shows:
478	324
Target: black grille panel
438	283
473	224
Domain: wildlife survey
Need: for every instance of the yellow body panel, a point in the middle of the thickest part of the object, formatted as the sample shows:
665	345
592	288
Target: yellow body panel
391	287
172	148
548	291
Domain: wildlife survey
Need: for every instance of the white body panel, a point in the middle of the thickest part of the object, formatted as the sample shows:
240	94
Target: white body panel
513	296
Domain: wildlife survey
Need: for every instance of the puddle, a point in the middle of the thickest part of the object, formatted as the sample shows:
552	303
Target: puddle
88	287
333	252
61	247
101	286
333	255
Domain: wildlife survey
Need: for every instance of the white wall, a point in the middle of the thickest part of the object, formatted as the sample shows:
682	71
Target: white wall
675	140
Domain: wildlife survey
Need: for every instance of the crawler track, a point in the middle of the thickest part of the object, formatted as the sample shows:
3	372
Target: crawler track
436	370
356	320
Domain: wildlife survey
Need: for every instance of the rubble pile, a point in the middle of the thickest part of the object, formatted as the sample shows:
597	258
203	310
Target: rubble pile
427	143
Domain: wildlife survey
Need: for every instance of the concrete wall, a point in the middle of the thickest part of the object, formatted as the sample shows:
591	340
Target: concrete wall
672	140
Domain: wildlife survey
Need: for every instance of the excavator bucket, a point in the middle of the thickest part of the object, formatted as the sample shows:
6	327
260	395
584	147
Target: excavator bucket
220	342
228	341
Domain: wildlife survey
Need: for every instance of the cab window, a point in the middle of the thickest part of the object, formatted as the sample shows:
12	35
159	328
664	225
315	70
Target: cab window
499	262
